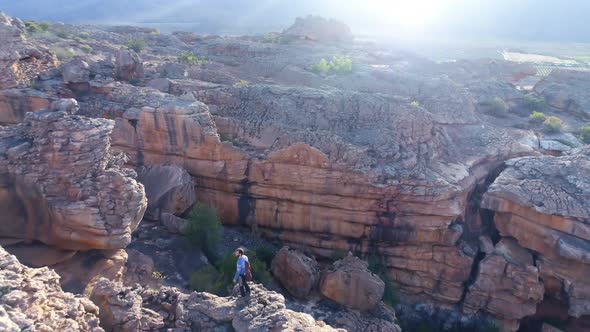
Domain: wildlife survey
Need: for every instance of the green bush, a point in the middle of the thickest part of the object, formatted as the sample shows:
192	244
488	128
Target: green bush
498	107
191	59
241	84
270	38
204	230
84	35
62	34
537	117
44	26
136	45
64	54
533	103
338	65
553	124
206	279
377	266
33	27
86	48
415	104
265	254
585	133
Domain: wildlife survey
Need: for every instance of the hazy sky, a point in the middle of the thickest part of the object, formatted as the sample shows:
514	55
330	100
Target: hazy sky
539	20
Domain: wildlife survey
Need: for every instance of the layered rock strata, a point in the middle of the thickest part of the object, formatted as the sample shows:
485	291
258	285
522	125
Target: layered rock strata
62	186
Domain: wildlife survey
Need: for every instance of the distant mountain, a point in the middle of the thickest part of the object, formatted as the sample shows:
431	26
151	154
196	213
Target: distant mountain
532	20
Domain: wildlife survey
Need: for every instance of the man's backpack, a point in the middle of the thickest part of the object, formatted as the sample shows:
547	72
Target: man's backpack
248	273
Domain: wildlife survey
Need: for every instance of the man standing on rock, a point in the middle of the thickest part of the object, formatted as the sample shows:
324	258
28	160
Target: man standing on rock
241	267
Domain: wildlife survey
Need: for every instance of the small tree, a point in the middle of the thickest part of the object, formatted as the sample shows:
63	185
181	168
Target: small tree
533	103
84	35
553	124
136	45
204	230
585	133
377	266
498	107
537	117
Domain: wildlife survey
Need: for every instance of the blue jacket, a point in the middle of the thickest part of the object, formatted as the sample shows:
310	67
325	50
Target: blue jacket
240	266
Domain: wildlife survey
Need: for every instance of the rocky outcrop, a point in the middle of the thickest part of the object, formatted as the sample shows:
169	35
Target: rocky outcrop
297	272
169	189
132	309
507	285
542	202
75	71
350	283
32	300
566	90
63	187
129	66
319	29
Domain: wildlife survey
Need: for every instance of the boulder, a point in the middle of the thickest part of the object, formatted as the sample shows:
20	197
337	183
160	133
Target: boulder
542	202
160	84
297	272
173	223
350	283
62	186
319	29
32	300
15	103
169	189
75	71
69	106
128	66
566	90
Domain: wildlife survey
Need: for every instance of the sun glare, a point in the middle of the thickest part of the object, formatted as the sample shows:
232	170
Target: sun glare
412	13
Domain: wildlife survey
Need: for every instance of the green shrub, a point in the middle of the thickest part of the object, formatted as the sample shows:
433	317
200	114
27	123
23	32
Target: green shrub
191	59
84	35
533	103
415	104
33	27
86	48
265	254
204	230
553	124
44	26
155	32
537	117
64	54
338	65
62	34
206	279
585	133
241	84
498	107
136	45
377	266
270	38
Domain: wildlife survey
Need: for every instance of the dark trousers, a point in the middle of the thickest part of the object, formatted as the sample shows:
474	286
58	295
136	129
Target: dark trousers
244	288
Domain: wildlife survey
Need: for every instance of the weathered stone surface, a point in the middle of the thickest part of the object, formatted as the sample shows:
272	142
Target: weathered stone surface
173	223
566	90
381	319
75	71
32	300
169	189
542	202
507	284
69	106
319	29
15	103
130	309
350	283
129	66
297	272
62	186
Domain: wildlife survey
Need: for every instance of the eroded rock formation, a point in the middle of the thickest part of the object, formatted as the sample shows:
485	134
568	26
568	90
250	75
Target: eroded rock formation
32	300
297	272
64	187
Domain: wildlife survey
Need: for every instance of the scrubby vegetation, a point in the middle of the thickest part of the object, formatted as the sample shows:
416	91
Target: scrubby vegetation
497	107
553	124
33	27
537	117
204	230
136	45
415	104
86	48
585	133
535	104
191	59
62	34
377	266
218	279
64	54
84	35
241	83
338	65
